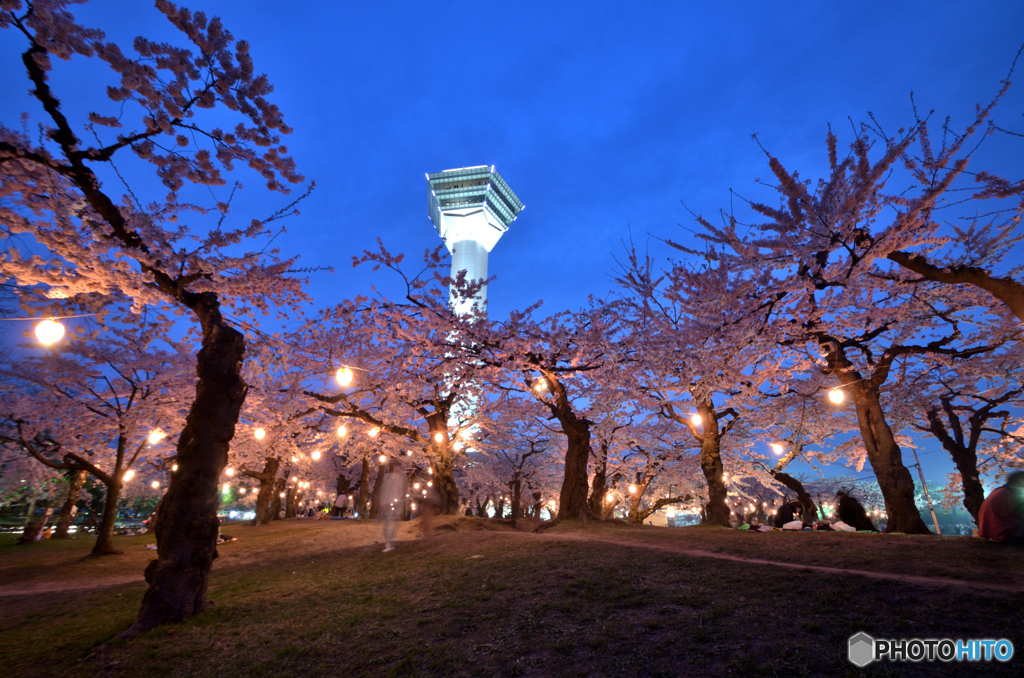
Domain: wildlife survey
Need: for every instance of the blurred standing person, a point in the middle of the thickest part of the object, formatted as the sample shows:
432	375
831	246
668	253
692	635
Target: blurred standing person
392	504
340	504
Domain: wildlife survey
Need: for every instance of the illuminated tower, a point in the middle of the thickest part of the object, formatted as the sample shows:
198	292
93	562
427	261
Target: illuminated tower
471	208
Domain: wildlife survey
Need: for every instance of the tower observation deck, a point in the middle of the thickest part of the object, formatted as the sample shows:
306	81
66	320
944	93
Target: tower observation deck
471	208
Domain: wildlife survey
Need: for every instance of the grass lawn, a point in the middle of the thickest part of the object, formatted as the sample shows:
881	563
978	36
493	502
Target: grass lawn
312	598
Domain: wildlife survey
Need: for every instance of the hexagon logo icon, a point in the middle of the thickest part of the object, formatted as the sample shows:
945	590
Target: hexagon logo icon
861	650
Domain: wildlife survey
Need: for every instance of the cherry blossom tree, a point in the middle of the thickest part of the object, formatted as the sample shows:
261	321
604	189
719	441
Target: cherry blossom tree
60	189
99	406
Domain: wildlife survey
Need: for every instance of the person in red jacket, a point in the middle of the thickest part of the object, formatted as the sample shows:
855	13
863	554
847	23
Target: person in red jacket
1001	517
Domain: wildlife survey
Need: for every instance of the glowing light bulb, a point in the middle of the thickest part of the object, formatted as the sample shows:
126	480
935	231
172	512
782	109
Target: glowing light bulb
608	498
373	432
227	488
414	507
294	459
49	332
416	486
155	484
344	376
241	490
777	448
294	478
382	458
174	468
836	396
696	419
128	475
282	495
541	385
229	471
439	437
259	434
319	492
430	483
342	431
315	455
156	436
430	471
632	489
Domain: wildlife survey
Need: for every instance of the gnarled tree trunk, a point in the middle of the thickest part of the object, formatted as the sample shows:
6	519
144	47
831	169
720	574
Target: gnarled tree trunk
810	509
187	524
717	508
266	492
885	457
67	512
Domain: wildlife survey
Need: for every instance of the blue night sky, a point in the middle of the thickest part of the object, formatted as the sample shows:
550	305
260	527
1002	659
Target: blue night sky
601	116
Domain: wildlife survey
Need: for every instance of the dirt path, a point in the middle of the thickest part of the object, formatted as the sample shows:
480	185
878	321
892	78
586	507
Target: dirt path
697	553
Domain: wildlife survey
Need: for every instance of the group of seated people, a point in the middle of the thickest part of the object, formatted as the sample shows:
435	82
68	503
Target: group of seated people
1000	519
849	511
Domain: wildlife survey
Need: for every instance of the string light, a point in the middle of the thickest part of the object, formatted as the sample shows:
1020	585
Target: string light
294	478
156	436
373	432
227	488
342	431
241	490
128	475
259	434
174	468
230	471
155	484
382	458
344	376
315	455
430	483
416	486
836	396
49	332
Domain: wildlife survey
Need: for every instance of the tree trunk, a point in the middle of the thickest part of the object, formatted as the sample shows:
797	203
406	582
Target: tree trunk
517	491
885	457
375	498
572	500
105	535
364	489
68	510
964	456
291	502
499	508
444	478
600	489
266	493
810	509
276	499
717	509
187	524
537	504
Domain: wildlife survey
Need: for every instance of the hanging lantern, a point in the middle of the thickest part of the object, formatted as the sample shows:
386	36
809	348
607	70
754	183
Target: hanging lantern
49	332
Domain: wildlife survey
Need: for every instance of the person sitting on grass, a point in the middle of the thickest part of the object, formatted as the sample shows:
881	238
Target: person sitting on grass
852	513
788	513
1001	517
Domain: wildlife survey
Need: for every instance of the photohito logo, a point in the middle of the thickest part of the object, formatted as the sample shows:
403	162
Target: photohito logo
863	649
